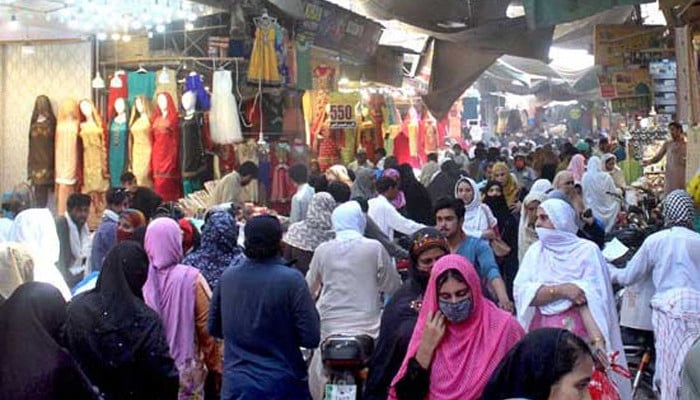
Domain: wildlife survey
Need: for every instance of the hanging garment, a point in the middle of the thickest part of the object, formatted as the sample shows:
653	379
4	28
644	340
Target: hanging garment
193	83
41	158
281	52
225	125
118	151
282	189
164	159
293	120
291	61
166	81
273	110
327	152
263	61
402	148
94	158
66	153
324	78
141	84
303	63
191	151
118	89
141	151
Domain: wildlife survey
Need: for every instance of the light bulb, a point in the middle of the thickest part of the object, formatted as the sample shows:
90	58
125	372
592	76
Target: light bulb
189	26
126	38
116	36
101	36
160	28
14	23
150	35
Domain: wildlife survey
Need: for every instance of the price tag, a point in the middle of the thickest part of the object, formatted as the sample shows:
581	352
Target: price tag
341	392
341	116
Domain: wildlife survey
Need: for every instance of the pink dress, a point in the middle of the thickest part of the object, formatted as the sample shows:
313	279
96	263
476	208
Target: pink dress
570	320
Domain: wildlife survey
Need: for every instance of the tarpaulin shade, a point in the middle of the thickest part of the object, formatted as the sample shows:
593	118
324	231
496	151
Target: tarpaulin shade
542	13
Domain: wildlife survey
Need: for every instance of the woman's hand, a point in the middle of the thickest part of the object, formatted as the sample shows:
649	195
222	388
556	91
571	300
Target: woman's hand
433	332
573	293
506	305
515	207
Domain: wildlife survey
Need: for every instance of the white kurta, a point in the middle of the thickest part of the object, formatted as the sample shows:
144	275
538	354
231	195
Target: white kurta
388	219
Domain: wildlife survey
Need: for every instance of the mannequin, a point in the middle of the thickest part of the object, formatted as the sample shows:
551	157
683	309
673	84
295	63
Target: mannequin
40	163
118	143
166	149
140	141
191	147
66	152
95	169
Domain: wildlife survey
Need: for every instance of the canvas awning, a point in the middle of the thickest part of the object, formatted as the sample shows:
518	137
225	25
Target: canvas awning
542	13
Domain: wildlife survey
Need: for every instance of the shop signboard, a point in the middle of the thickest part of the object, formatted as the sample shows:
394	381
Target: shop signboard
338	29
341	110
615	45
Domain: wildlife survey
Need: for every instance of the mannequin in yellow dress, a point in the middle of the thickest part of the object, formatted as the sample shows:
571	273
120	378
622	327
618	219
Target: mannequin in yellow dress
95	170
140	140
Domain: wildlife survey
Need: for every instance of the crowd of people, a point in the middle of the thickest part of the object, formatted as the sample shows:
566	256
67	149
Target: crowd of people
507	293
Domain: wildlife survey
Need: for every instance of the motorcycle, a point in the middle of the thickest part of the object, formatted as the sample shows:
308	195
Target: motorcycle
346	361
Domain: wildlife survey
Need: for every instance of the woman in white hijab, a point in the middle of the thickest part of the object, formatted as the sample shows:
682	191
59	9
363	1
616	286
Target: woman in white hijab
350	272
600	193
36	230
16	268
479	221
563	282
528	215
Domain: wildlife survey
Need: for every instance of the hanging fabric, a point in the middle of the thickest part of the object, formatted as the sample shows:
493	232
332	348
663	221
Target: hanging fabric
225	124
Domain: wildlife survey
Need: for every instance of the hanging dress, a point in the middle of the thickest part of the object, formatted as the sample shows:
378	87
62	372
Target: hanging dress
225	125
118	151
263	60
94	158
141	151
193	83
141	84
166	81
165	160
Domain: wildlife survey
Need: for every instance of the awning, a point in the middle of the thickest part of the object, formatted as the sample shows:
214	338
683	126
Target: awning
543	13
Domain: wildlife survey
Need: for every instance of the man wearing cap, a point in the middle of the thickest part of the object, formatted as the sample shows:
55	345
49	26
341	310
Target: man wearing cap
361	161
264	312
526	175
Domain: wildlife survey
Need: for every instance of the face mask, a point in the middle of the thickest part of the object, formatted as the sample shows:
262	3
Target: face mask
456	312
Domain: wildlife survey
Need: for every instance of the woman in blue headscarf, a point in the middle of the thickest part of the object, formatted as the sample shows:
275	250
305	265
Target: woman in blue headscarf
219	247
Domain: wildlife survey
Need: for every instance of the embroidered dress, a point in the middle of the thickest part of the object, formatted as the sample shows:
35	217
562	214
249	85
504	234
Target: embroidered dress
141	151
94	158
263	61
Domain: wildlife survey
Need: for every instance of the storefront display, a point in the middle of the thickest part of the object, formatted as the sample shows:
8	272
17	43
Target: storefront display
166	148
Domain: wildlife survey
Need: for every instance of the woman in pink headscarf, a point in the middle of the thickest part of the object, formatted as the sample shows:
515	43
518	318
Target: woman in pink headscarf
180	295
577	166
459	339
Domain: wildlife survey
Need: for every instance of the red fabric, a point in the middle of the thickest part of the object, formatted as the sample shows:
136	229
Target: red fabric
402	150
227	158
376	104
328	152
187	234
116	93
165	155
169	189
469	351
443	127
283	188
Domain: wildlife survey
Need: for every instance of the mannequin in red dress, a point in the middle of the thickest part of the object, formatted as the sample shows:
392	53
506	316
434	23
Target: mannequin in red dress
166	149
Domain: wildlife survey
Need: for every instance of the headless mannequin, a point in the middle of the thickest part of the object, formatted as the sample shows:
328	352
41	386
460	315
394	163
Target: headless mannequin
191	147
95	169
140	143
118	146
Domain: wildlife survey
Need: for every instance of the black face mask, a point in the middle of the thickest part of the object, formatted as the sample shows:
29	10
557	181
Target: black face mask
421	277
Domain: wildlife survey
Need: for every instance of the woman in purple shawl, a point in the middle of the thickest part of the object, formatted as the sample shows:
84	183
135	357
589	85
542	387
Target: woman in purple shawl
180	295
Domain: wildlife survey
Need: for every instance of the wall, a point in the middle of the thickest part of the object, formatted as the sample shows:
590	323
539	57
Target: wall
58	70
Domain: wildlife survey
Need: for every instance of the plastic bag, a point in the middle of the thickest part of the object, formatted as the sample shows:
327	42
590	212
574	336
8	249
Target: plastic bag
602	386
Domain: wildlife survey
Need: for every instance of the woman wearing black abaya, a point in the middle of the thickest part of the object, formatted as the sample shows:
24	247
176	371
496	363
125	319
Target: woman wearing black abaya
418	201
546	364
117	339
34	365
401	313
508	226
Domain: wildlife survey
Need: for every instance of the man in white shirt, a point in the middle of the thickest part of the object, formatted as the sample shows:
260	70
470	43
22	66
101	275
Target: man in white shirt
299	174
360	161
671	260
385	215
